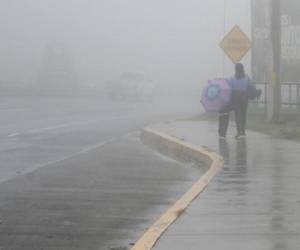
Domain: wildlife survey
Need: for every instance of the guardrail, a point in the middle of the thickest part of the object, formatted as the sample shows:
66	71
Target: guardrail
290	94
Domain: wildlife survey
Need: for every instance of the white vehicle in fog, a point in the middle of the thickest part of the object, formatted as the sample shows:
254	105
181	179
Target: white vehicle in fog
130	86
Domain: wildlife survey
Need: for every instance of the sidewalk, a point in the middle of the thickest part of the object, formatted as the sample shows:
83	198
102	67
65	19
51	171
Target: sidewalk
254	201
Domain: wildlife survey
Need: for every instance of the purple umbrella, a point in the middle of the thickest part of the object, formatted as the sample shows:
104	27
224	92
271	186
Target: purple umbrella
216	95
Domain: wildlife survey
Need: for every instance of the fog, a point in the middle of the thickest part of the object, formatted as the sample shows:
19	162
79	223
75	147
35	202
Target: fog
79	81
175	43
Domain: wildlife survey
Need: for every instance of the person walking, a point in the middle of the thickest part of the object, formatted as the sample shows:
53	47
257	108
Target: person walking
241	85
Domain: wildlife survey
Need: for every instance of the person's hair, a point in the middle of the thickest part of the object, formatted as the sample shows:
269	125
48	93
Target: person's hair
239	71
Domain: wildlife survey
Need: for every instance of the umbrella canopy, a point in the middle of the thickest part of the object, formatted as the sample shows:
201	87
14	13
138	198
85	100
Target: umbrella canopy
216	95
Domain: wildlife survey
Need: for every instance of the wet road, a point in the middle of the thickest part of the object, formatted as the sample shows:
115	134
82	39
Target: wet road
74	175
35	132
254	201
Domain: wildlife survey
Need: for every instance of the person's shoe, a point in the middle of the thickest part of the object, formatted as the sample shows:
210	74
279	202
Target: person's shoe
240	136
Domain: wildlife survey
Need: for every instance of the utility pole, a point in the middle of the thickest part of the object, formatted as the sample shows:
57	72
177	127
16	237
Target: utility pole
224	32
274	88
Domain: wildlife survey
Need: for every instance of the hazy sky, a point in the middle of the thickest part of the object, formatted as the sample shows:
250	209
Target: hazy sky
173	41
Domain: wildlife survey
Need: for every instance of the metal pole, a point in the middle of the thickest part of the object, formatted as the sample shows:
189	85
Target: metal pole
224	31
290	95
298	100
266	98
276	51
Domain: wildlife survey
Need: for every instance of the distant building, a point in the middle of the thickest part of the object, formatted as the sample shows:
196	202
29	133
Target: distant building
261	38
56	73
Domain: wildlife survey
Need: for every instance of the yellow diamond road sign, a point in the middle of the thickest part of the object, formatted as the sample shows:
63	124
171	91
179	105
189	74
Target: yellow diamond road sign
236	44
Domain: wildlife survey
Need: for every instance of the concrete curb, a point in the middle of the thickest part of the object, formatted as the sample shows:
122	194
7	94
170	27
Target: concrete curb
183	151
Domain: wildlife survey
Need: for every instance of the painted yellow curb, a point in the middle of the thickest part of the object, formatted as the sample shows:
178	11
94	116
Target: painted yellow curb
152	235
